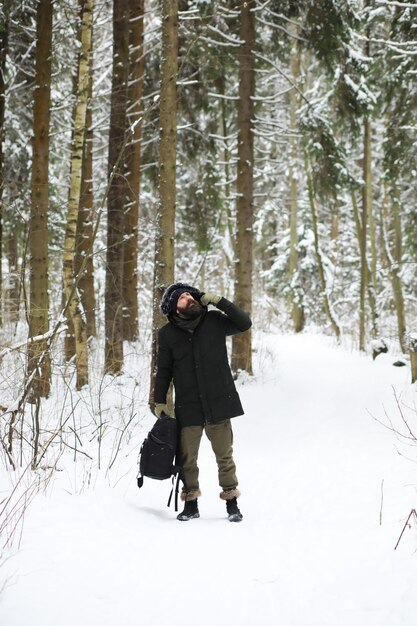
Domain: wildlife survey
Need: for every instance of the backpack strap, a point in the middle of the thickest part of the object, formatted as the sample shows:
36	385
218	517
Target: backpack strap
178	473
139	479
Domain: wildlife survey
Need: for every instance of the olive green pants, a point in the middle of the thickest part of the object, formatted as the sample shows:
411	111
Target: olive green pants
221	439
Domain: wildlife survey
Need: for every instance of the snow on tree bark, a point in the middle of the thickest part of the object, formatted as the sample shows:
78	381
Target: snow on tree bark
38	352
165	228
117	191
242	344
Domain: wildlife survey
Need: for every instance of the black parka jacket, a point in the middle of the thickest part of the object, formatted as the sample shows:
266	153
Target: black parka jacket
197	364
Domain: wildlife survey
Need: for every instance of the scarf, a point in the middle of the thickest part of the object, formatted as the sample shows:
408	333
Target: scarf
186	324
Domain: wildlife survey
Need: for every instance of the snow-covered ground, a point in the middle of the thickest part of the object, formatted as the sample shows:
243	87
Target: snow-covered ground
326	490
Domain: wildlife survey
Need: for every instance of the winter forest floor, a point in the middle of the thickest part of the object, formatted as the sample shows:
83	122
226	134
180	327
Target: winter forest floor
326	490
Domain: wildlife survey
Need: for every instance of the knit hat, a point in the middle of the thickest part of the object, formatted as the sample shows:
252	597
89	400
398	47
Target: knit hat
172	293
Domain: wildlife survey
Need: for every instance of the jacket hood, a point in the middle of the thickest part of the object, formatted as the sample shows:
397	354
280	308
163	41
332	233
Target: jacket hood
169	300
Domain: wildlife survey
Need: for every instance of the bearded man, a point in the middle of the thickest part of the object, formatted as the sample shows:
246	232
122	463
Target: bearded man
192	354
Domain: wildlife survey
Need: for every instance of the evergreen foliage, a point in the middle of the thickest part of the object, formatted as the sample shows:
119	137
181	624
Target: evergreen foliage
357	66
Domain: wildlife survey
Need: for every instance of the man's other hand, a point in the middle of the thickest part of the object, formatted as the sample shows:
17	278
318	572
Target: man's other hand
209	298
162	409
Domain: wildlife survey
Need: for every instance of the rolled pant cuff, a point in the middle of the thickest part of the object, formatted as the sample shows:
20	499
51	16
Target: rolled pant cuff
229	494
187	496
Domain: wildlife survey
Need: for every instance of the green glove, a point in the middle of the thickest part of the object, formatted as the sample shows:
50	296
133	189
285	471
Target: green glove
162	408
209	298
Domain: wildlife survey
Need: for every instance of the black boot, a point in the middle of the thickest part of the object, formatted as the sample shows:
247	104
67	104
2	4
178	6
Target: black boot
234	515
190	511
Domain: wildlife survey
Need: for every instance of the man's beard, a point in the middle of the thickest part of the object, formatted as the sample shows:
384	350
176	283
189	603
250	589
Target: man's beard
193	310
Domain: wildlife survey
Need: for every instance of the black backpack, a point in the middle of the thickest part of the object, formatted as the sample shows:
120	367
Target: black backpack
158	454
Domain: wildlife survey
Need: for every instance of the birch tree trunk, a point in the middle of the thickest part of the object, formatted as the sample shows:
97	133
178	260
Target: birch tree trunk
39	364
165	235
133	162
412	348
73	304
242	343
117	191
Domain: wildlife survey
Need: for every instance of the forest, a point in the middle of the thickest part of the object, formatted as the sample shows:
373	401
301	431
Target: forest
263	149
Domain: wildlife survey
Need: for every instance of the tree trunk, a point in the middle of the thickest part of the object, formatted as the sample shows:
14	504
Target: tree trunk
226	219
322	277
372	232
242	343
73	305
133	162
367	179
165	236
3	51
412	348
368	276
394	257
297	308
371	292
13	292
38	351
396	276
21	55
117	191
84	264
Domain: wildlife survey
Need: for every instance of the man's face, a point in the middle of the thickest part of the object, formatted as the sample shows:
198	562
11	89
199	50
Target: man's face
188	307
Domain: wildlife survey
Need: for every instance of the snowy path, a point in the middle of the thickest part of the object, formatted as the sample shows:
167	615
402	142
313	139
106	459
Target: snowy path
311	550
